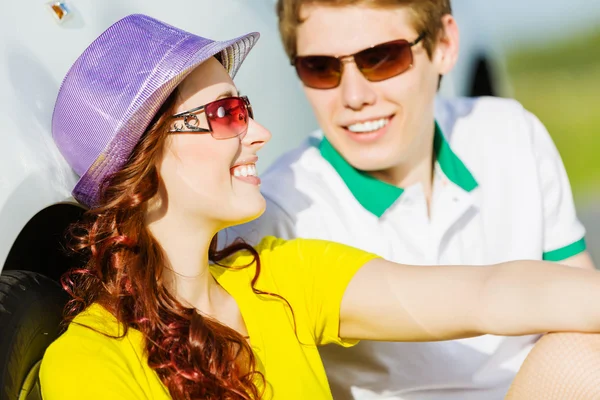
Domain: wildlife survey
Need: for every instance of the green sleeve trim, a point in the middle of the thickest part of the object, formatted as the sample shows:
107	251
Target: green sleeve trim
565	252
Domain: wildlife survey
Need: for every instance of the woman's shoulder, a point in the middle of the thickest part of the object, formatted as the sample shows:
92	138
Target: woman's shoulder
267	247
278	255
92	349
273	251
93	335
271	245
240	267
301	250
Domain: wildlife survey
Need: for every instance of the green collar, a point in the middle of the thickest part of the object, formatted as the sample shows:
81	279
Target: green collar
377	196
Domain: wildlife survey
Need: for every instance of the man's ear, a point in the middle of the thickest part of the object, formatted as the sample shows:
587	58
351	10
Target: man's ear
446	50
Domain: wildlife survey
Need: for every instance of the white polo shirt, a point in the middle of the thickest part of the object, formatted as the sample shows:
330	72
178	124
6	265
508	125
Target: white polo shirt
500	193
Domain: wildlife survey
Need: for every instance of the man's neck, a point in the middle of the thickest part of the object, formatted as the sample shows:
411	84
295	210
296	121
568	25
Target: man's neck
416	167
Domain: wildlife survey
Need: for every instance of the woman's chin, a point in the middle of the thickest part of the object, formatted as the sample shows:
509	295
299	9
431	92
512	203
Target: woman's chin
250	211
256	214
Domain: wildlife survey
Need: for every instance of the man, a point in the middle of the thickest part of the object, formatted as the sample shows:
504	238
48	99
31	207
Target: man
414	179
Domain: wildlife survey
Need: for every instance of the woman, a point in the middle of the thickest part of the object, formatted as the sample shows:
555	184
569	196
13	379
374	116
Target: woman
149	118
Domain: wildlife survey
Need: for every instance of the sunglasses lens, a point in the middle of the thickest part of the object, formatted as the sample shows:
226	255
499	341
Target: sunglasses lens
384	61
228	117
319	72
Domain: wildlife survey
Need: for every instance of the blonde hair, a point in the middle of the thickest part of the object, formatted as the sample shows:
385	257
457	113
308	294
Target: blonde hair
426	17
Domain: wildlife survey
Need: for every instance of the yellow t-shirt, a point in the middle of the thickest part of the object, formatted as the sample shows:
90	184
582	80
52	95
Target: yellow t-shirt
311	275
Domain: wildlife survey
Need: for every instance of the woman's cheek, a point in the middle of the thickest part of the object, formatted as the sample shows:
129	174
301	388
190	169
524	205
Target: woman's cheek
202	163
190	152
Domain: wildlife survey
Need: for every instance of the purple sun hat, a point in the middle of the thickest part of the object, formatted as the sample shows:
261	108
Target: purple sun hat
112	92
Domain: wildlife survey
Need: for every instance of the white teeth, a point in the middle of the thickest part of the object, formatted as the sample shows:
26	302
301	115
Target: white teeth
245	170
369	126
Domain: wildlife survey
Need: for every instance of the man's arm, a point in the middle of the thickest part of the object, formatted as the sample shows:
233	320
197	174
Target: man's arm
581	260
563	235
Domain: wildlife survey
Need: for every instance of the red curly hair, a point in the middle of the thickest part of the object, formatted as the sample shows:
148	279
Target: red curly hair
123	273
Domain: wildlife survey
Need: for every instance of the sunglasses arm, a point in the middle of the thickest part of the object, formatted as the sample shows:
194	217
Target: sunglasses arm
190	123
190	120
417	40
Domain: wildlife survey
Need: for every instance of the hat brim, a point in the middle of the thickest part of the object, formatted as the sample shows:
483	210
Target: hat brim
89	188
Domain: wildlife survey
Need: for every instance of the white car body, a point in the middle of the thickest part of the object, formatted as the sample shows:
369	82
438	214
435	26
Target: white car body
36	52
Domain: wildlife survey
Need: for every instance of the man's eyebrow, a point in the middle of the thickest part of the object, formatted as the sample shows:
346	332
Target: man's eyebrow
227	93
